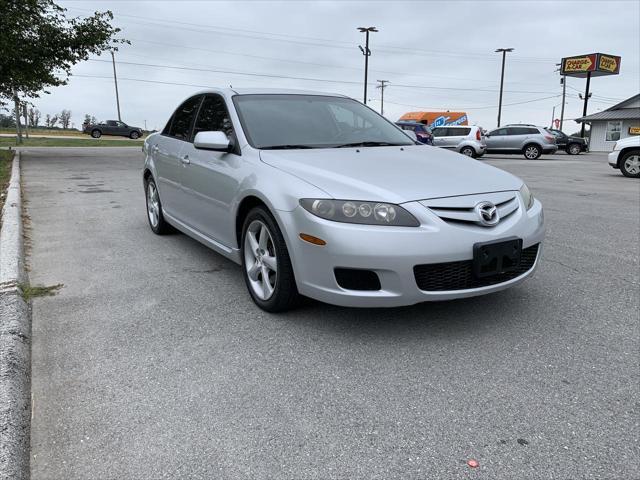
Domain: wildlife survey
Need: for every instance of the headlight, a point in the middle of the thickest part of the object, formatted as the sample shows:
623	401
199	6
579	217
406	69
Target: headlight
353	211
615	146
527	196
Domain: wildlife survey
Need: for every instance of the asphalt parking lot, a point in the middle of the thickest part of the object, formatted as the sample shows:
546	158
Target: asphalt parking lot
152	361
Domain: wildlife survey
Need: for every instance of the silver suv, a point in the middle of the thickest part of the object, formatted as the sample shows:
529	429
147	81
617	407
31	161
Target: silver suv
467	140
529	140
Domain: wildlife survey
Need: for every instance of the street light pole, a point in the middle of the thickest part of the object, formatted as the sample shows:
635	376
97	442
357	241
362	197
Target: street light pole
382	86
366	52
563	81
586	102
504	56
115	79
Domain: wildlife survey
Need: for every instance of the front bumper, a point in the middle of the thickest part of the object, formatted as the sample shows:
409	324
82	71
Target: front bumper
613	158
392	252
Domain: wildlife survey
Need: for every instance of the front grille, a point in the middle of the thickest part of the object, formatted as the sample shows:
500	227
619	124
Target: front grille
438	277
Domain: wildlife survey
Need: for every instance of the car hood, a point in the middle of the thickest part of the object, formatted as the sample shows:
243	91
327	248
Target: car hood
391	174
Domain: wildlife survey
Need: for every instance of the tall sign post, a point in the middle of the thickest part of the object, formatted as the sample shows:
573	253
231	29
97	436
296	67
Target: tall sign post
587	66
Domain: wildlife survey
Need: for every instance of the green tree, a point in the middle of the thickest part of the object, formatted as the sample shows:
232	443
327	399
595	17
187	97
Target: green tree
39	44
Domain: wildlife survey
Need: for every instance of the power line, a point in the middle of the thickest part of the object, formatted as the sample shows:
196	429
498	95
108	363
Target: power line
388	101
313	79
475	108
331	43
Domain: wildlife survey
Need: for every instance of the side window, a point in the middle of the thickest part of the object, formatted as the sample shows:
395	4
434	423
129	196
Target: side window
532	131
516	131
167	128
439	132
498	132
213	116
183	119
459	132
111	123
613	131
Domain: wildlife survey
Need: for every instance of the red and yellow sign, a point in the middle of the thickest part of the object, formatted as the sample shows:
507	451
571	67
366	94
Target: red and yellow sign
608	63
586	63
592	64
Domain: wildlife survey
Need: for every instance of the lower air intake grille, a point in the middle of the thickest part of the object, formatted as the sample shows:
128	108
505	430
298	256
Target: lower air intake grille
438	277
357	279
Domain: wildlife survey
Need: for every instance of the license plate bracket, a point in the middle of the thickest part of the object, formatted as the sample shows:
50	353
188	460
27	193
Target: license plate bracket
496	257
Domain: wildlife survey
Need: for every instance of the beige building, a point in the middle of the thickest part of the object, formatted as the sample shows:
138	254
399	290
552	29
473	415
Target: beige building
610	125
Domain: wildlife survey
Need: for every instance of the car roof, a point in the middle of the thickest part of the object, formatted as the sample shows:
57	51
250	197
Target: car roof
266	91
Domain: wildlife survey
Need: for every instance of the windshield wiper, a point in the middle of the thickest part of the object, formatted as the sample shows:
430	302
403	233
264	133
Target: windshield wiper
368	144
284	147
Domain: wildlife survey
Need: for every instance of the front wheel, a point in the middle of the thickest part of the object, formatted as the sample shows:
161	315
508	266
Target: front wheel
468	151
532	152
266	265
96	133
630	164
574	149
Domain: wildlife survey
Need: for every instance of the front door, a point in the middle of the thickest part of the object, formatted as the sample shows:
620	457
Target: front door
211	179
496	140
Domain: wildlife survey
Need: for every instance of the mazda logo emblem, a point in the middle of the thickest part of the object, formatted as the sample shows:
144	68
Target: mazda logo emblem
487	213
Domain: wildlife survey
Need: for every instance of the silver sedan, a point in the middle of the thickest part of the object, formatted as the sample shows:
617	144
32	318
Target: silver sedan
318	195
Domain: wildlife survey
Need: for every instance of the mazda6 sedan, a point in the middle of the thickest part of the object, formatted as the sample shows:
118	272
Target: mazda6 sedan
317	195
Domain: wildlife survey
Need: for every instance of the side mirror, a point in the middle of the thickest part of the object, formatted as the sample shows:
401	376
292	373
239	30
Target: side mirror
411	134
487	135
217	141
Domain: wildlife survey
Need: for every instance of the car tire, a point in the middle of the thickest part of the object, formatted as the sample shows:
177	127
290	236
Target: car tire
574	149
134	135
532	151
271	290
158	224
630	164
95	133
468	151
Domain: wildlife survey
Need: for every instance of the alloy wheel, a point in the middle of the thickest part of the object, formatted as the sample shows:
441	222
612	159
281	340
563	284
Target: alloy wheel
531	153
260	260
574	149
632	164
153	204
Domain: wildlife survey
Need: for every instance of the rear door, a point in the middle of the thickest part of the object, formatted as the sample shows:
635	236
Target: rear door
456	136
520	136
169	160
110	128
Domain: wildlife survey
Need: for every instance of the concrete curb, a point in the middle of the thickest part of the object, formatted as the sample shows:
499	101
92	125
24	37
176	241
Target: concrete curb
15	339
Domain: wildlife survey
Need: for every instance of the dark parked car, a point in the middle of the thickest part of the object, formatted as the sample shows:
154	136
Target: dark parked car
423	134
571	145
112	127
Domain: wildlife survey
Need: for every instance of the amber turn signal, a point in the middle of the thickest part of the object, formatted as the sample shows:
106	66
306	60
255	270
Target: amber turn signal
312	239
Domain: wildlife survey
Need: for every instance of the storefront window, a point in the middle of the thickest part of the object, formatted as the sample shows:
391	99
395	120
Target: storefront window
613	131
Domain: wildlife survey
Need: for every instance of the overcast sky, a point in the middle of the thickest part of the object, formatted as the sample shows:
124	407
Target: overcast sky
436	55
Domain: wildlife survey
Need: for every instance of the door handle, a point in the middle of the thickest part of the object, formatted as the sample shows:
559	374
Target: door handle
185	160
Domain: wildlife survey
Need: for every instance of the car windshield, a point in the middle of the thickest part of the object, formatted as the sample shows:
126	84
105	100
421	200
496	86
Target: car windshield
279	121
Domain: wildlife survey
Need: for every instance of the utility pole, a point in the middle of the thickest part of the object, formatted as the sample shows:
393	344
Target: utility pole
115	80
382	86
26	120
586	101
553	115
563	82
504	56
367	53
